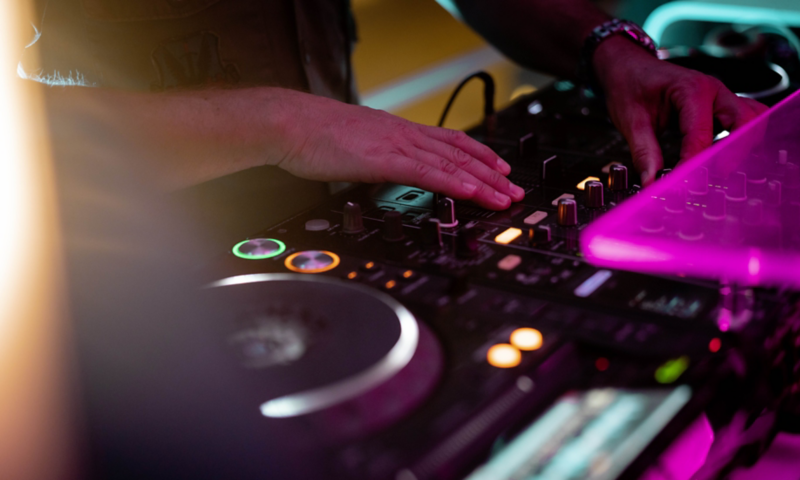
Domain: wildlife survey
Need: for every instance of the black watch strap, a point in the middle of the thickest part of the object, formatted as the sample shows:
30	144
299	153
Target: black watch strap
603	32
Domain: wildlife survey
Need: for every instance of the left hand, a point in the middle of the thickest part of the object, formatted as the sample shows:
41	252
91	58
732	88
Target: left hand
643	93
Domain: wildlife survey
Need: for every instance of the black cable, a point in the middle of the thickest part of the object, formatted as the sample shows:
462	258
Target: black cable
488	95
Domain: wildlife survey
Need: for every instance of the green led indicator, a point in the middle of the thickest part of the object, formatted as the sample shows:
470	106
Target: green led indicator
564	86
672	370
259	248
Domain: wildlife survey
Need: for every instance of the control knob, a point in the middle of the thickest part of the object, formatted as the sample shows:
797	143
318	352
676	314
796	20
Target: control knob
594	194
467	244
567	212
352	222
432	235
393	226
618	178
446	212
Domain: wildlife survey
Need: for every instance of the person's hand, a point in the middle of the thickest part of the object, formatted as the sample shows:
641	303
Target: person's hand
333	141
643	93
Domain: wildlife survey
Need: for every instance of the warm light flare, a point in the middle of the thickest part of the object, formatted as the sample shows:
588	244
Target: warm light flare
527	339
582	184
33	407
503	355
508	236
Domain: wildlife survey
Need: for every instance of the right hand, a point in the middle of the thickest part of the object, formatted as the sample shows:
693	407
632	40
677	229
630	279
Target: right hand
332	141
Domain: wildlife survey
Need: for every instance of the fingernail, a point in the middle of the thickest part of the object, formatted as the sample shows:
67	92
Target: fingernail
517	192
469	187
503	165
503	199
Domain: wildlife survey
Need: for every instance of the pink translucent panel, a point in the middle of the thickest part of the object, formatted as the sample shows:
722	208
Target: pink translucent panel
731	213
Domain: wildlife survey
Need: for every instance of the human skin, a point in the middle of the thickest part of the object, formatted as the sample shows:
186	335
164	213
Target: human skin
209	133
643	94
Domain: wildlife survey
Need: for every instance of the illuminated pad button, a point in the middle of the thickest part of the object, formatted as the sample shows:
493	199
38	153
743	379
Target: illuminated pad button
527	339
535	217
259	248
312	261
509	262
508	236
582	184
503	355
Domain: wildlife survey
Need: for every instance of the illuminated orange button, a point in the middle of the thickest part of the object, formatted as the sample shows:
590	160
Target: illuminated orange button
527	339
508	236
582	184
352	275
503	355
390	285
408	276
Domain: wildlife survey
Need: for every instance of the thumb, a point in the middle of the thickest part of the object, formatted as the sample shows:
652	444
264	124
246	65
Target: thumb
637	127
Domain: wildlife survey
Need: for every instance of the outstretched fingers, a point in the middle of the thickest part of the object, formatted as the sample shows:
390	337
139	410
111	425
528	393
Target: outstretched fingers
437	174
463	142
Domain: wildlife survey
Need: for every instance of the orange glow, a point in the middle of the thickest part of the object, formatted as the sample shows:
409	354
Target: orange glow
352	275
503	355
369	265
408	274
582	184
36	351
508	236
291	266
527	339
714	345
390	285
601	364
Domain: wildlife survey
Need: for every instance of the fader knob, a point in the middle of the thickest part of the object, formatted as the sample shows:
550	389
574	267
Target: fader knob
567	212
393	226
432	235
594	194
737	186
467	244
774	193
753	212
352	222
446	212
539	235
618	178
716	209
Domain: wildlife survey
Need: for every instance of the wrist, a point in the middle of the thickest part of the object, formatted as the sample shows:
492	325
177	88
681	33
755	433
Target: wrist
279	135
606	37
613	56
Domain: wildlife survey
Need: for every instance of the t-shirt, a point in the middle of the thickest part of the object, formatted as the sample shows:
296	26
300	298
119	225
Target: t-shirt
162	45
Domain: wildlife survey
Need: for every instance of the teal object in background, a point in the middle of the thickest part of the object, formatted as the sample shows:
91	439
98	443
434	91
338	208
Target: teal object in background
780	14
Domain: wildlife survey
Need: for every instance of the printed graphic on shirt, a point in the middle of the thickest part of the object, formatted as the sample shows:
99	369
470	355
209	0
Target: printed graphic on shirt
192	62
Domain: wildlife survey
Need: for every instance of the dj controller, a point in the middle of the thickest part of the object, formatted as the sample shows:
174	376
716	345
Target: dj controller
394	334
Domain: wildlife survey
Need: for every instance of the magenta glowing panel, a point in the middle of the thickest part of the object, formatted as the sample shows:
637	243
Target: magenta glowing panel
731	213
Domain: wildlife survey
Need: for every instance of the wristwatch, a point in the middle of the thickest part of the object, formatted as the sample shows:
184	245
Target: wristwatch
603	32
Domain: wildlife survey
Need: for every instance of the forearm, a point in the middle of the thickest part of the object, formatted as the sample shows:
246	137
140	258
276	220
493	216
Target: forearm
544	35
196	135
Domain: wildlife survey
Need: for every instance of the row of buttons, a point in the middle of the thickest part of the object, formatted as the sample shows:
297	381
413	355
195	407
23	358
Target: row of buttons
370	267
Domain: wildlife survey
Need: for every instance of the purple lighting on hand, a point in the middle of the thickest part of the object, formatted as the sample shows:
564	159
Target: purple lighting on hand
731	213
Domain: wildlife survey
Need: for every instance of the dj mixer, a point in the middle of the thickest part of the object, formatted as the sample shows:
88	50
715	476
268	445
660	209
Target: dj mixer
394	334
